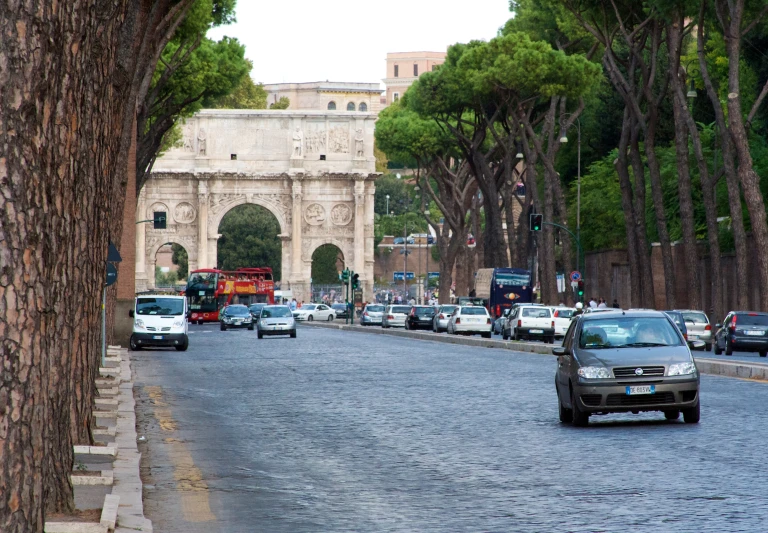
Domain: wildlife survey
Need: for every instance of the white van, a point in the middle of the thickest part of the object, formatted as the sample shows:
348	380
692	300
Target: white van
159	320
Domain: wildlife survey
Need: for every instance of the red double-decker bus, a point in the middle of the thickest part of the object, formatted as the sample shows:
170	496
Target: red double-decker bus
208	290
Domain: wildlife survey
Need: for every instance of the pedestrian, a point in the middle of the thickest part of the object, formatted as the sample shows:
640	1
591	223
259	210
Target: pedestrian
593	303
616	304
579	309
412	301
602	304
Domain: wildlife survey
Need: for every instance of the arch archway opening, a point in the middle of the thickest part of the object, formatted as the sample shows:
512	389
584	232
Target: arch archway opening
363	106
249	238
171	266
327	263
351	106
331	106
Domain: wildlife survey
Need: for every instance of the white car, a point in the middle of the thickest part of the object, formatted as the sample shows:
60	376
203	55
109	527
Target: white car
530	322
562	316
394	316
159	320
310	312
470	319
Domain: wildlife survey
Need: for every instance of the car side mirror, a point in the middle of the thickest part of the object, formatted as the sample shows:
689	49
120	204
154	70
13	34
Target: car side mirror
560	351
130	313
698	346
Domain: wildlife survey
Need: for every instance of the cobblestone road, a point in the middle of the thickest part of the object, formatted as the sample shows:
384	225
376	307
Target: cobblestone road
341	431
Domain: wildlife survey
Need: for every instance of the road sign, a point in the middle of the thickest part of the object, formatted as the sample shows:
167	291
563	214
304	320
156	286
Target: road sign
111	274
398	276
433	275
575	275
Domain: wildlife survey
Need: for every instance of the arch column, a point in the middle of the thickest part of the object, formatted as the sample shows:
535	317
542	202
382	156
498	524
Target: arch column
141	245
359	241
202	224
297	282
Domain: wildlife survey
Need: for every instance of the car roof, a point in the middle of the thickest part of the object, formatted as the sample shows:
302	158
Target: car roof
237	305
631	314
272	305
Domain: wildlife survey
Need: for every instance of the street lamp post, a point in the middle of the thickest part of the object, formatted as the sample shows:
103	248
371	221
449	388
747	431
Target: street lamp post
387	211
564	139
426	262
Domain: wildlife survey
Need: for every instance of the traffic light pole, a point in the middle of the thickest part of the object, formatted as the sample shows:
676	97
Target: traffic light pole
581	259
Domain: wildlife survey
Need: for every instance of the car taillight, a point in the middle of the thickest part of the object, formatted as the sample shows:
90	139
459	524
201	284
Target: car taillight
707	328
441	317
519	323
556	313
685	336
365	313
733	324
489	321
553	323
498	310
390	317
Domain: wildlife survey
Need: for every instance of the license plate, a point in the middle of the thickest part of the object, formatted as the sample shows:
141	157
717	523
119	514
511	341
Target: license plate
693	337
754	333
157	337
537	331
641	389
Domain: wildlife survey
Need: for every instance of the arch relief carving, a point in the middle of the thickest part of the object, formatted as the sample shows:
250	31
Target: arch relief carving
184	213
341	214
157	206
314	214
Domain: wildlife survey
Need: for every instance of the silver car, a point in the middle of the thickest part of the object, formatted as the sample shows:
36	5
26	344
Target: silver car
626	361
372	314
276	320
442	317
394	316
698	326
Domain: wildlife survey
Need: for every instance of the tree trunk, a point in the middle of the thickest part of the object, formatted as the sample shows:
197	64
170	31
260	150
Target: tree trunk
622	169
643	249
687	223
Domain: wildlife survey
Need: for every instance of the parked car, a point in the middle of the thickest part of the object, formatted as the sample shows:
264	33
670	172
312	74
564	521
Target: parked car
310	312
742	331
420	317
677	318
399	240
498	324
470	319
626	361
699	327
372	314
235	316
255	310
530	322
276	320
159	320
562	316
341	310
394	316
442	316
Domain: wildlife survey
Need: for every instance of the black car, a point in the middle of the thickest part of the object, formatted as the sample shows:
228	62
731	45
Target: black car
421	316
742	331
679	320
235	316
255	310
341	310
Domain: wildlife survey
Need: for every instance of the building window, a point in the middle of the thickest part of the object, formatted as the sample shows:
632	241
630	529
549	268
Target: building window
397	71
331	106
363	106
415	70
351	106
396	97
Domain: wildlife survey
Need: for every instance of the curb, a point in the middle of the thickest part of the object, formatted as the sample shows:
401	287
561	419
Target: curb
716	367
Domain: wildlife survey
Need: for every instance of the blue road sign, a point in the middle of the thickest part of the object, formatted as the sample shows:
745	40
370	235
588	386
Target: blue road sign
434	275
575	275
398	276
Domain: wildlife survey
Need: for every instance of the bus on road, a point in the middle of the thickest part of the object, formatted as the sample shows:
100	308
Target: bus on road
503	287
209	290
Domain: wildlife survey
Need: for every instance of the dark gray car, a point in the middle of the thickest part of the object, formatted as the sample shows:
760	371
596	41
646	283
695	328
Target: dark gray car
626	361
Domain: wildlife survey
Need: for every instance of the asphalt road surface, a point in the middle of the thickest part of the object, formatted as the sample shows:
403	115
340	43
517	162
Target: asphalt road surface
343	431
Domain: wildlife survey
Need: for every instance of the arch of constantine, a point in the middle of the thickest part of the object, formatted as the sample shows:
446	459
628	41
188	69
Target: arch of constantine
313	170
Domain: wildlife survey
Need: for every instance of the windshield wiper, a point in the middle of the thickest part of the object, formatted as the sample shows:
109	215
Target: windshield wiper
598	346
641	344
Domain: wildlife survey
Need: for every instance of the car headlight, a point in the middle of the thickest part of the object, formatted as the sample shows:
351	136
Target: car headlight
139	323
681	369
247	319
178	323
594	372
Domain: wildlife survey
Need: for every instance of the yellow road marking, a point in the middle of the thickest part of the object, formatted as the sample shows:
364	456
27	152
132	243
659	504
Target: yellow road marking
195	503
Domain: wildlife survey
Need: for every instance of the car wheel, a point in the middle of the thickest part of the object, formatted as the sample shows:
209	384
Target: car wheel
718	351
692	415
709	347
330	317
504	335
293	334
566	416
223	327
199	322
578	417
260	335
763	353
551	340
487	335
250	328
183	347
517	336
310	318
671	415
728	348
134	347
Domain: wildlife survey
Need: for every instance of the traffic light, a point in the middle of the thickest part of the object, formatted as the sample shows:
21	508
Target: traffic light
355	281
159	220
536	222
580	289
345	275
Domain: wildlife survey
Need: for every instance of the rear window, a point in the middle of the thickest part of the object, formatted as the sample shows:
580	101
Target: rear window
425	311
699	318
564	313
536	312
401	309
473	311
752	320
448	309
375	308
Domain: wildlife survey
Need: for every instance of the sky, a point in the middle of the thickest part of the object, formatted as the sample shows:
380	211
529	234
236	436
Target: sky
348	40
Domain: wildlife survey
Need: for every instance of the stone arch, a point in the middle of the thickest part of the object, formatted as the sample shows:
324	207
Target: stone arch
156	242
346	250
272	203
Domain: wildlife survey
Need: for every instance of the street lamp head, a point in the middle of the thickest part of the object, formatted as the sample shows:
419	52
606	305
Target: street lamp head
563	139
519	155
387	197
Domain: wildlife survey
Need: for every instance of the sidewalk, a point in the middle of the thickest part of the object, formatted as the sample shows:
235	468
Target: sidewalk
731	369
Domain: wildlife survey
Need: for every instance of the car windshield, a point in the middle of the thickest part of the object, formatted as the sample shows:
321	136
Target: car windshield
564	313
276	312
448	309
752	319
160	306
375	308
512	279
699	318
308	307
401	309
536	312
473	311
237	310
627	332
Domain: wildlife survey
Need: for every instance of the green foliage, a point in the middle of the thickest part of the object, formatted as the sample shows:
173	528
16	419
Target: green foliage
326	263
249	238
165	279
283	103
246	95
181	259
398	225
402	197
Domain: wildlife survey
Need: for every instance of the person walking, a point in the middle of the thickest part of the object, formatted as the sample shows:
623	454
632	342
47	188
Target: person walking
593	303
293	304
616	304
602	304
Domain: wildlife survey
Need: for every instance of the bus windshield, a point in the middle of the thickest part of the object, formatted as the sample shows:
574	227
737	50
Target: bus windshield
513	279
